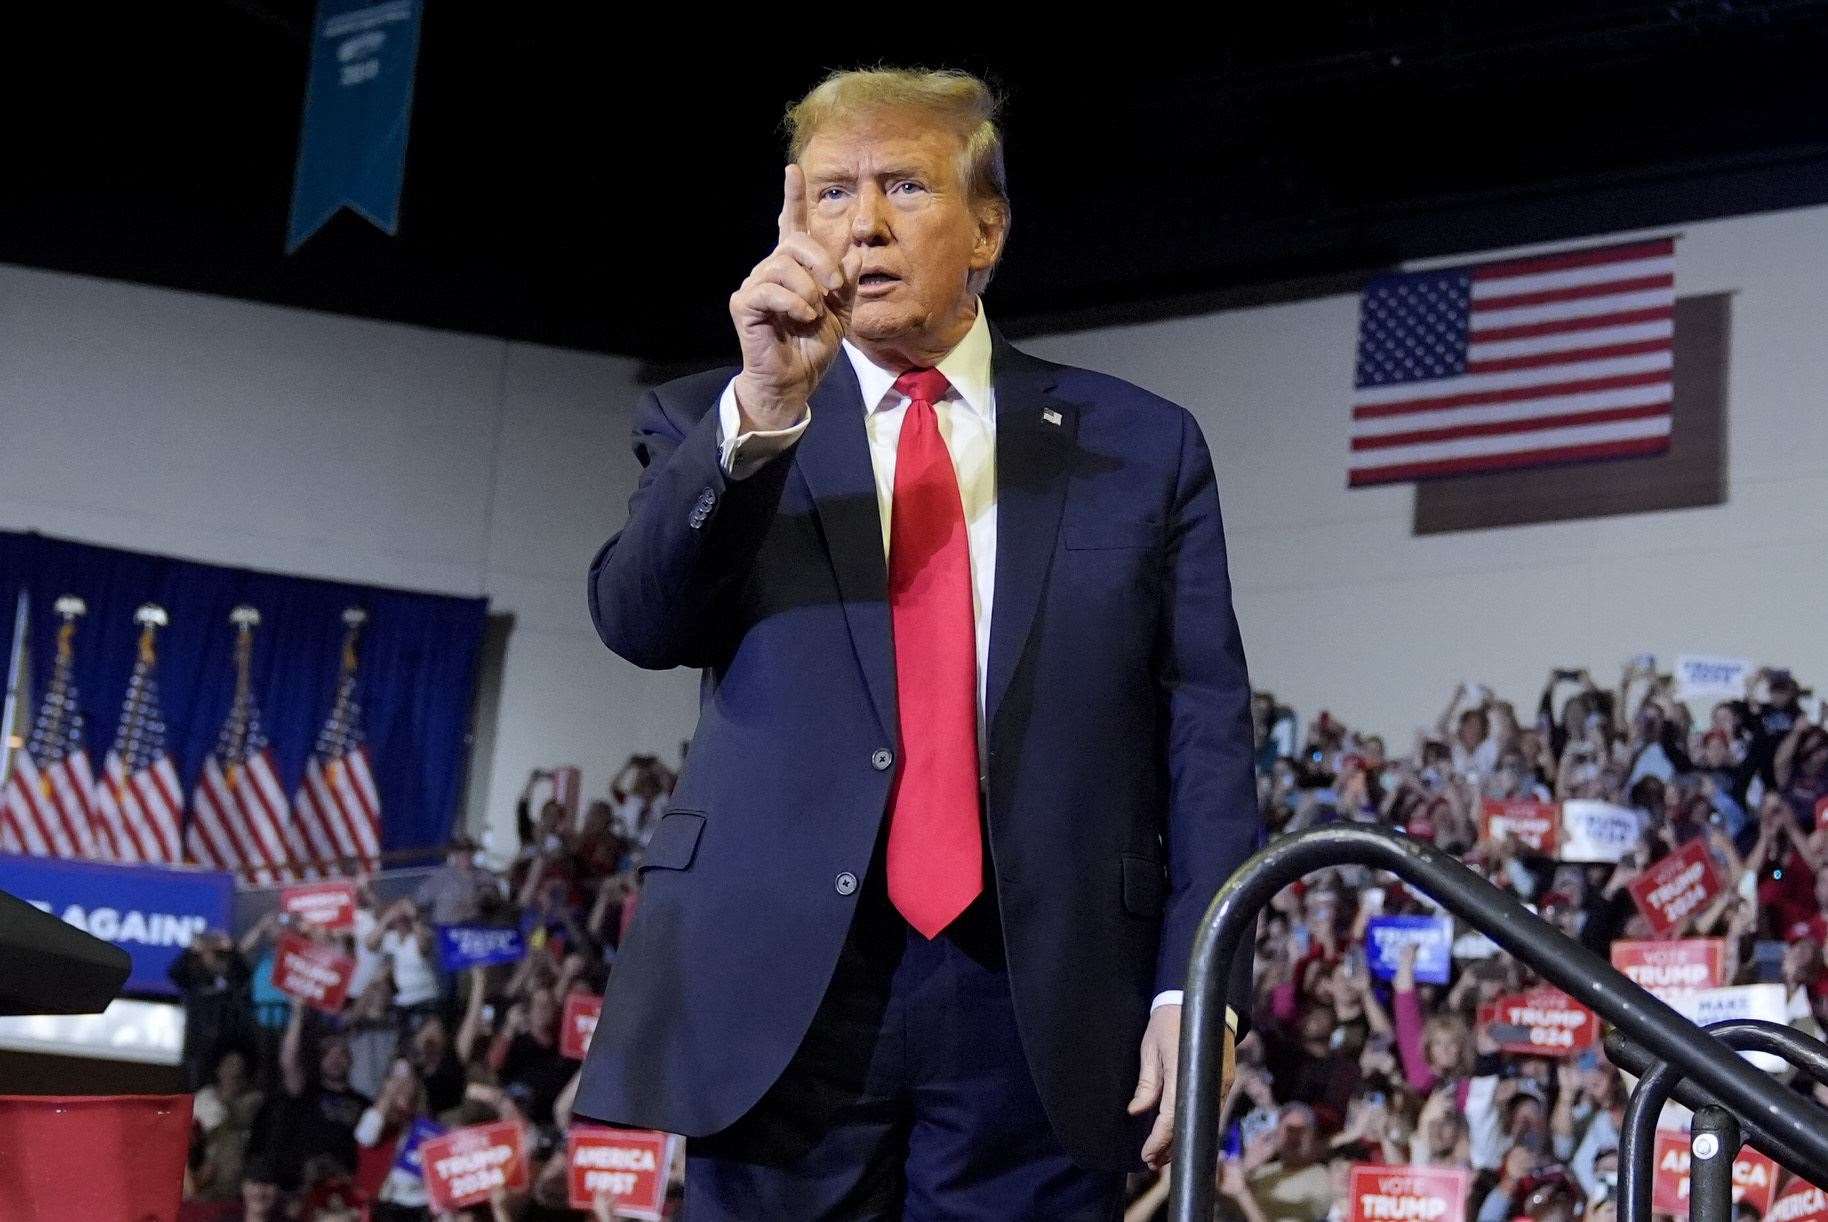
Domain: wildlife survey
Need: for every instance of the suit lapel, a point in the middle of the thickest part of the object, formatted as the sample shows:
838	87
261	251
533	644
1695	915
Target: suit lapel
1034	440
833	457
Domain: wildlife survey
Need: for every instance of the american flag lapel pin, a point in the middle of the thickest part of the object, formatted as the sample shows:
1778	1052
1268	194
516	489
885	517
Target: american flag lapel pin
1050	415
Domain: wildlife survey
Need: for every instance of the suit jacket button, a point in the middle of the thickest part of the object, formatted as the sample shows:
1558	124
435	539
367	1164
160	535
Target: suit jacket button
845	883
881	760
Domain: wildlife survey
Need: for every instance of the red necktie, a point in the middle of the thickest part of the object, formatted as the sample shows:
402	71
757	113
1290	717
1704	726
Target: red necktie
936	852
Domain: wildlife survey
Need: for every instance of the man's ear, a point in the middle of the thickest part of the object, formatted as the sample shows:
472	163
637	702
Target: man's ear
992	231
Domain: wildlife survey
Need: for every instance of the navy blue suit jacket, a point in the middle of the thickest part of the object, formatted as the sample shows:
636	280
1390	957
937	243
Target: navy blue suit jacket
1120	791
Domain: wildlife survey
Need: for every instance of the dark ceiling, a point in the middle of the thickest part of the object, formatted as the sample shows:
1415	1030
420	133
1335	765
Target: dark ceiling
573	181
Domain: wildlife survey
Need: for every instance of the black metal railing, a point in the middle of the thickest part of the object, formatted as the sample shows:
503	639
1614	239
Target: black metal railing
1658	1080
1710	1072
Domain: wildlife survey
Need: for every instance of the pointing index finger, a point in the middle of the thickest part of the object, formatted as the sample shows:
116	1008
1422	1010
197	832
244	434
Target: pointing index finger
793	202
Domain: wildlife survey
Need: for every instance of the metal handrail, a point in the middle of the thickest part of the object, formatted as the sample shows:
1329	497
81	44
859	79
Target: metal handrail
1579	972
1659	1080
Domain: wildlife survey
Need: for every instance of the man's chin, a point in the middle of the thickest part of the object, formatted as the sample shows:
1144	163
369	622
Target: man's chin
879	322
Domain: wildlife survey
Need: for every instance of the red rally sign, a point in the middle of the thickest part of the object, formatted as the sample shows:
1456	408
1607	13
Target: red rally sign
1540	1023
1677	887
1801	1202
628	1164
1535	825
314	972
465	1166
1754	1176
1664	967
326	905
1409	1194
579	1024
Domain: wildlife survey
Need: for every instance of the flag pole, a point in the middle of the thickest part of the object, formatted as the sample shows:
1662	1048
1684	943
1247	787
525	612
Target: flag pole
15	664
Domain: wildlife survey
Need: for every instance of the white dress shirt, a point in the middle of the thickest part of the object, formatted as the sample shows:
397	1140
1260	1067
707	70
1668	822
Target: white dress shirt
967	422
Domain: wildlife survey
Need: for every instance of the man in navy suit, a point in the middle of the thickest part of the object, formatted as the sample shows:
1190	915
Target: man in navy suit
974	749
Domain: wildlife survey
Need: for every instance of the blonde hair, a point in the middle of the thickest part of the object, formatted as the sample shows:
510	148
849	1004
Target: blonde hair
955	100
1454	1026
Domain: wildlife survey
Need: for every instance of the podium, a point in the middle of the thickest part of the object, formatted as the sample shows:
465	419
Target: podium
80	1157
50	967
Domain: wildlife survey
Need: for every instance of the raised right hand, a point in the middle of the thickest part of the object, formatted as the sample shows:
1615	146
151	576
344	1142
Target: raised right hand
790	315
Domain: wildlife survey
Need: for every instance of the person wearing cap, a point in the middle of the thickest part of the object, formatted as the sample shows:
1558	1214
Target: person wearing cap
458	892
974	748
1295	1185
1769	721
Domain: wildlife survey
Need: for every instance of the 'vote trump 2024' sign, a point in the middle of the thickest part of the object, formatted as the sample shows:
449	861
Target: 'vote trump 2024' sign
1408	1194
465	1167
1540	1023
1676	888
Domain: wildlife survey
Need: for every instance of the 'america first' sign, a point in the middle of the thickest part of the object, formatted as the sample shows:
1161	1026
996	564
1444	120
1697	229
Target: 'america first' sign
150	913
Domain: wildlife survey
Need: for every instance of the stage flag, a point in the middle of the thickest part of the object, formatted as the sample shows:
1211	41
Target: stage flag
49	809
336	814
138	797
239	812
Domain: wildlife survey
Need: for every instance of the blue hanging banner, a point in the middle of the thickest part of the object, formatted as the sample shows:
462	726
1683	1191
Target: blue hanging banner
358	106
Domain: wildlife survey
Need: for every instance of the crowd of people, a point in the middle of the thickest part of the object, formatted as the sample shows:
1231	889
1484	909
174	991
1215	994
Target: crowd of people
1344	1068
301	1114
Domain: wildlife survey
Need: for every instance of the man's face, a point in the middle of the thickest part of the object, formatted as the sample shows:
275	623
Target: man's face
1472	729
1297	1135
259	1199
333	1063
891	186
1317	1026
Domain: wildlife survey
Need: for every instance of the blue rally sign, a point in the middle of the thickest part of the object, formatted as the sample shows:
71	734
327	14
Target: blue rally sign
409	1159
150	913
1432	936
465	946
358	106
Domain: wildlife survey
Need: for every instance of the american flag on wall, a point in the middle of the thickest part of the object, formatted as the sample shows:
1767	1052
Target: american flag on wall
239	812
49	809
336	814
138	797
1558	357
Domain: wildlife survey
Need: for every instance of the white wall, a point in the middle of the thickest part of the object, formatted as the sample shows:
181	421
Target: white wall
341	448
372	452
1342	608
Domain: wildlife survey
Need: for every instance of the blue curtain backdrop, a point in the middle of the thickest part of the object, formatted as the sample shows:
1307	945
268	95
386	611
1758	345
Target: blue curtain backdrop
418	657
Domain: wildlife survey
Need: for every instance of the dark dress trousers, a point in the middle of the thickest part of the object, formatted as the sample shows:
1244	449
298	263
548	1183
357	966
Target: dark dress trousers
1119	788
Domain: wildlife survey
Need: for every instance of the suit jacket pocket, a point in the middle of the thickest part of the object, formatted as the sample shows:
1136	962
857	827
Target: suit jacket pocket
1143	886
674	842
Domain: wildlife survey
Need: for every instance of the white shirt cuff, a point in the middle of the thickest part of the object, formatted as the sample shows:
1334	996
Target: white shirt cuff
1172	997
740	453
